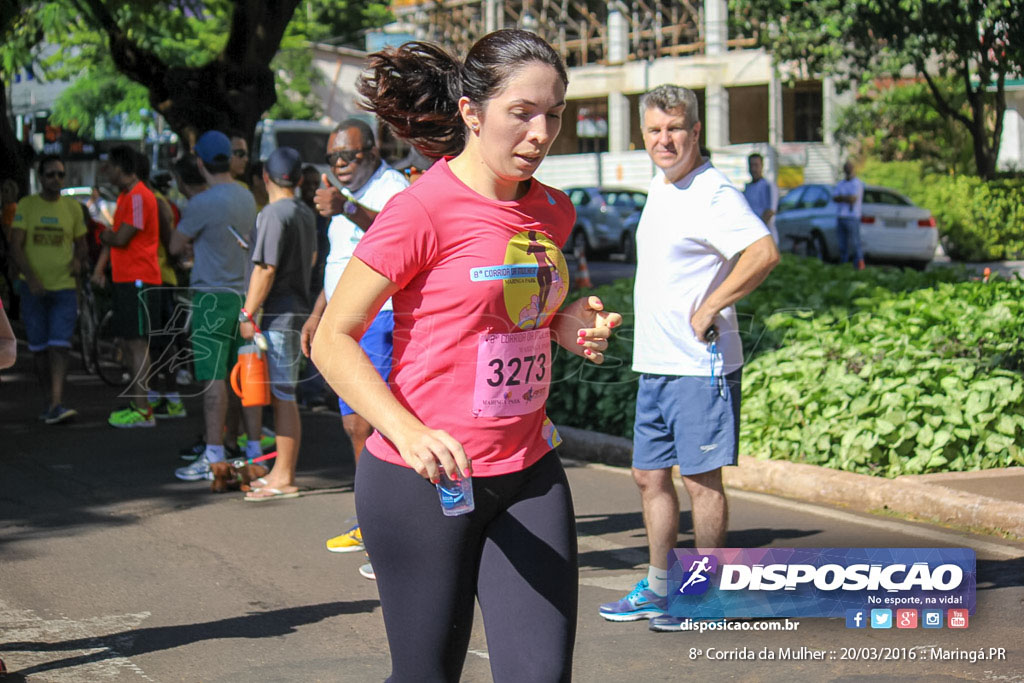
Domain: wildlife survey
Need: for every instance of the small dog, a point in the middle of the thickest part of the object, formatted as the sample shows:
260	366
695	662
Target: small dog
227	477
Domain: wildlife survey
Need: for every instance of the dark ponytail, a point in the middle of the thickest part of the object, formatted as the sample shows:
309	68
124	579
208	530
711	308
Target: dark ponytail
416	88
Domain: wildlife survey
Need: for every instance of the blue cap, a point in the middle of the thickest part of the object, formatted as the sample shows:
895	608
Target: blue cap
213	146
284	167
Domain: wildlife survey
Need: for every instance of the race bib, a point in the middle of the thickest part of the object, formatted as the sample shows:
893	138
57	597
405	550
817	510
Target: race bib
512	373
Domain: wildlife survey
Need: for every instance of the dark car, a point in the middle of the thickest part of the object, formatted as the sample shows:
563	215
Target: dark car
605	219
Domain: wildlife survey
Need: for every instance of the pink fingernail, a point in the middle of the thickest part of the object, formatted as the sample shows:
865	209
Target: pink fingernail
580	341
586	352
583	333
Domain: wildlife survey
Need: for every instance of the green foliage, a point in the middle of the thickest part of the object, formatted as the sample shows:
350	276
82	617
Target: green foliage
881	371
979	220
856	41
899	123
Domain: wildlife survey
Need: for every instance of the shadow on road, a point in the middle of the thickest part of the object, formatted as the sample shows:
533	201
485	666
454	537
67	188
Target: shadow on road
142	641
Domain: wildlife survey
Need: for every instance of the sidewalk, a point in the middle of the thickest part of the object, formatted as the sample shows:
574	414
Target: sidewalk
990	502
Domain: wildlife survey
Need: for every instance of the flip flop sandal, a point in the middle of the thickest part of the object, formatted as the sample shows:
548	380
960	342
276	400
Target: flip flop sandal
274	494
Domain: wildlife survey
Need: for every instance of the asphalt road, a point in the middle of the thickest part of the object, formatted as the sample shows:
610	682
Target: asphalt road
112	570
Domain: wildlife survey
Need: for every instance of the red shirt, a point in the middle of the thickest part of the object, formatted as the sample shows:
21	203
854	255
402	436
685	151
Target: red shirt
469	267
137	260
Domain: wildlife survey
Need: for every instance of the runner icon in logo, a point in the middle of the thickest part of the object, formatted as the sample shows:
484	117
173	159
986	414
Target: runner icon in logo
697	580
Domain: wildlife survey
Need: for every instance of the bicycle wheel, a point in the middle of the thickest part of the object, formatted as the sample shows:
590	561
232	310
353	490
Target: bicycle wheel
111	360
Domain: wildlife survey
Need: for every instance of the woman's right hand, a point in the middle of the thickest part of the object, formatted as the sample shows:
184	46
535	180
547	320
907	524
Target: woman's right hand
427	450
308	332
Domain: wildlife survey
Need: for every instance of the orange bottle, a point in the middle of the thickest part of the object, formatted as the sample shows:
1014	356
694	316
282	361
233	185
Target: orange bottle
250	378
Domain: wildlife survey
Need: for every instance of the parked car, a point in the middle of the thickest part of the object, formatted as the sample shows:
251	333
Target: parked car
892	228
605	219
309	138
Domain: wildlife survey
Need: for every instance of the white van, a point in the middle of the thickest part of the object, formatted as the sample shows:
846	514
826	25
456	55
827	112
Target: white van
309	138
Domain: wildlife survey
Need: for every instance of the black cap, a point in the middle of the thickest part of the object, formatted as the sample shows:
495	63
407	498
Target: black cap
284	167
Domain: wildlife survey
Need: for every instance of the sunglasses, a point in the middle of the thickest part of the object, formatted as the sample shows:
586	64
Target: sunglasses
240	153
54	174
346	155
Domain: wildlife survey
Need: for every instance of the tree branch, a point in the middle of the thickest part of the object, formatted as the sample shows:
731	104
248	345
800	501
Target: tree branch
940	101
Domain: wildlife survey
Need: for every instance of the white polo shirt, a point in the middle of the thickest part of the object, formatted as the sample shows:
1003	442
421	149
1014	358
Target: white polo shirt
344	235
690	235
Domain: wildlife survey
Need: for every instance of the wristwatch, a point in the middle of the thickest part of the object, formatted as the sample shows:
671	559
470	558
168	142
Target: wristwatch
242	317
350	207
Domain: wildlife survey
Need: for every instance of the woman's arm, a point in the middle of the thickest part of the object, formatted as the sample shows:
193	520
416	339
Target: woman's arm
8	344
346	367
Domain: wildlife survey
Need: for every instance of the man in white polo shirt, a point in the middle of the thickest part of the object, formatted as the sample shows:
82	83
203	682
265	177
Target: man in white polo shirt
700	249
368	182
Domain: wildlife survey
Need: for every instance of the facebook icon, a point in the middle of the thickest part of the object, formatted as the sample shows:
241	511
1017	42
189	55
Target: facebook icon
856	618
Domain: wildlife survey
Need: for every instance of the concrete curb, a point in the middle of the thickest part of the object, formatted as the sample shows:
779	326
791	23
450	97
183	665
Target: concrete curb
903	495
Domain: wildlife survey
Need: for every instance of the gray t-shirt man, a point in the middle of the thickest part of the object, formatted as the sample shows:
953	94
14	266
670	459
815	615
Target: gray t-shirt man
217	221
285	237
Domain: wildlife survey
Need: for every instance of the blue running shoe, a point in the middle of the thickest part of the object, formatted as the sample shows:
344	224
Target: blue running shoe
666	622
642	603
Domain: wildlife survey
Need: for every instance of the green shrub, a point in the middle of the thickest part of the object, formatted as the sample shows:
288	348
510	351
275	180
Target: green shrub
880	371
978	220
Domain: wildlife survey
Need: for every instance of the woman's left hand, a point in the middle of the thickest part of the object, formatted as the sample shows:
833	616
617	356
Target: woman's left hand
584	328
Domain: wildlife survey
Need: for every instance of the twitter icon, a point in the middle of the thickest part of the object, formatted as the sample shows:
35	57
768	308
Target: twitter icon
881	618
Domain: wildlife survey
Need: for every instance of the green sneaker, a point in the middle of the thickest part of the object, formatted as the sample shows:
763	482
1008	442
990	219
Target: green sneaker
166	410
131	417
267	443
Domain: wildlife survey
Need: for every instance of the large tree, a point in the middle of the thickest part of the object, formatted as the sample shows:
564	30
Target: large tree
973	45
198	63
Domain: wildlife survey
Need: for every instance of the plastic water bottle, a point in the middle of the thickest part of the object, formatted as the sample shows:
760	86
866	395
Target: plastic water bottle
456	496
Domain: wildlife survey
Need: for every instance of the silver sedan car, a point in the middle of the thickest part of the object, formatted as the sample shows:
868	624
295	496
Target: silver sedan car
892	228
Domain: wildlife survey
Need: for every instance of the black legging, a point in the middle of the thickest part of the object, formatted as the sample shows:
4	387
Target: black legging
516	552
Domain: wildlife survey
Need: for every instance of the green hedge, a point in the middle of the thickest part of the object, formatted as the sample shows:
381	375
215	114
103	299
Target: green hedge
978	220
880	371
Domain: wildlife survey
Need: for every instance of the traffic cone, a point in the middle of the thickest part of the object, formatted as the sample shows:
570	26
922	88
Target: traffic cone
985	274
582	272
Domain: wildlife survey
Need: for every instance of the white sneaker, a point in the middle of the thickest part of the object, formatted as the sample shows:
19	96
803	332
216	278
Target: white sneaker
197	471
366	571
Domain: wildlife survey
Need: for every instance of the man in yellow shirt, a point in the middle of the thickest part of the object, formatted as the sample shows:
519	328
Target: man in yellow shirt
48	246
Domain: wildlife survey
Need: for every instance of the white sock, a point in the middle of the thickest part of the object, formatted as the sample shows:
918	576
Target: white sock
657	580
252	449
153	396
214	453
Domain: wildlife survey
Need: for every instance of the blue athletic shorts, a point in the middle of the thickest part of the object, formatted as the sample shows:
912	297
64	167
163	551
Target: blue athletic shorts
687	421
49	318
378	343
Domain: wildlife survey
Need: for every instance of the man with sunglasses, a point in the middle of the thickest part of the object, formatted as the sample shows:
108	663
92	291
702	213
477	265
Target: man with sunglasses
48	246
239	156
362	184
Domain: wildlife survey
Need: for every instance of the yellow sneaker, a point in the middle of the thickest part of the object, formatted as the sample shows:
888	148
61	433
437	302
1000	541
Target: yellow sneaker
349	542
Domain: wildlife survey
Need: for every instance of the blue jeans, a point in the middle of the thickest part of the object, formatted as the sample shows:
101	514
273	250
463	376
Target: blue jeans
848	230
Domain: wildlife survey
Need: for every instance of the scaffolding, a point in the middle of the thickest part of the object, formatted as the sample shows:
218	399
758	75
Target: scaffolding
578	29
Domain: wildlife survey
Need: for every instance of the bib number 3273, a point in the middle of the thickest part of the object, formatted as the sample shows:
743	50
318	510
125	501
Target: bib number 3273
512	373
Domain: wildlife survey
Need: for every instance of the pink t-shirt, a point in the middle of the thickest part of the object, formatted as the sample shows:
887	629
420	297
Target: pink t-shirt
473	272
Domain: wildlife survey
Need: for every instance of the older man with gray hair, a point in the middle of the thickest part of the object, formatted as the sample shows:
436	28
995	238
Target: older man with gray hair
700	249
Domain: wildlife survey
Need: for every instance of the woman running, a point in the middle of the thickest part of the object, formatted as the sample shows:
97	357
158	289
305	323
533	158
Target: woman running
468	384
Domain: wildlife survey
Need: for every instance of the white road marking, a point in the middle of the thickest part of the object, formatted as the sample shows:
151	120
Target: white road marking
479	653
27	640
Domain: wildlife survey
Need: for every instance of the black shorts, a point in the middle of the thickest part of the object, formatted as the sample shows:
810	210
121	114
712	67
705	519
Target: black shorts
137	310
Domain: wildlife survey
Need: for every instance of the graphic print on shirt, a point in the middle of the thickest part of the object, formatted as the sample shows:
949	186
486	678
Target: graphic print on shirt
534	277
513	369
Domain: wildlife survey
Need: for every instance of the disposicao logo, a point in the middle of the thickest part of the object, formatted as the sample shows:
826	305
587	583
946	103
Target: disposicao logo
697	579
819	582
